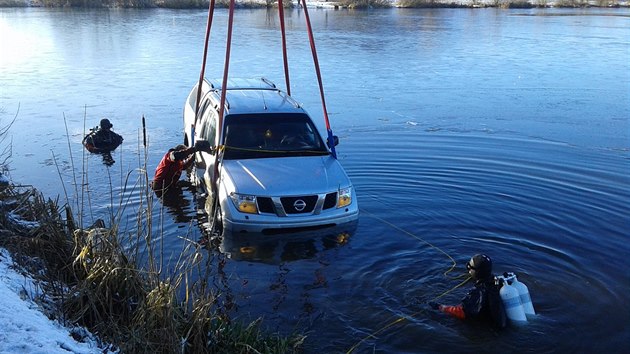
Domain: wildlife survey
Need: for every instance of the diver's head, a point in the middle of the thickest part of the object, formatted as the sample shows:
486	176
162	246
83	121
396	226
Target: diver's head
106	124
479	267
180	147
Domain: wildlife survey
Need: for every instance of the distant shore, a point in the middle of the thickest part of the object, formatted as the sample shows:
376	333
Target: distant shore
351	4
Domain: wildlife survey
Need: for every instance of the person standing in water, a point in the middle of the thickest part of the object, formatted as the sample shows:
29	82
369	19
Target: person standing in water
170	168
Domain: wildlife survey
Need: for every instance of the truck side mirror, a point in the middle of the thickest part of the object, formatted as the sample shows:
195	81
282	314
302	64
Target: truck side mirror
335	141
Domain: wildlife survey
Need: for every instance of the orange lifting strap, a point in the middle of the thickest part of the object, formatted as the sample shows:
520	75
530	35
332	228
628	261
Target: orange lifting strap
284	57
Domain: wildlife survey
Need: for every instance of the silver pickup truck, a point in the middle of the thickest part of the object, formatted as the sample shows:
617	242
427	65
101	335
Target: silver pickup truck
274	172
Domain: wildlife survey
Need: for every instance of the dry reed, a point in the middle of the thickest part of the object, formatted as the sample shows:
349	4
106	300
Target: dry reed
114	284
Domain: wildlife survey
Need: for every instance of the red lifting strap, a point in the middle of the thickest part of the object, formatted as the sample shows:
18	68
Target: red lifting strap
224	87
284	56
226	68
205	55
331	144
284	46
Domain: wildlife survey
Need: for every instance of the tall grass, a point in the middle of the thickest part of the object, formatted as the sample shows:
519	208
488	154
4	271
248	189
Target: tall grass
117	283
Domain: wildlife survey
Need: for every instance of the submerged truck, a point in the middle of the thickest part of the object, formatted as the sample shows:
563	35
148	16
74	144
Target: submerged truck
270	170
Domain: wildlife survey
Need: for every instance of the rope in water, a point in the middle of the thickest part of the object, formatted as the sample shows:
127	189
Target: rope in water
453	262
403	318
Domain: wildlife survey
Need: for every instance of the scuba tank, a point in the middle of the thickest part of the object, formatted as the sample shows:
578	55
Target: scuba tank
523	293
511	301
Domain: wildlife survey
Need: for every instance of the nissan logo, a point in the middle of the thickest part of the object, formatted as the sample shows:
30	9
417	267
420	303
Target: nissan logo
299	205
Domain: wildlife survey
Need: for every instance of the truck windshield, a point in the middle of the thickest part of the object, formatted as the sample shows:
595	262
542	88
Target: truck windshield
271	135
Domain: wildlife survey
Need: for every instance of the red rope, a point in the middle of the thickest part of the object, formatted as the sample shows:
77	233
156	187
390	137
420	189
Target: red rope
284	47
316	62
331	143
228	47
205	55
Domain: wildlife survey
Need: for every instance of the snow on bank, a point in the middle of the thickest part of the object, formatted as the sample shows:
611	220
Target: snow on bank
24	328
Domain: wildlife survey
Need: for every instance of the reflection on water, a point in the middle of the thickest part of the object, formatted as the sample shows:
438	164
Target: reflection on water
108	160
276	249
176	203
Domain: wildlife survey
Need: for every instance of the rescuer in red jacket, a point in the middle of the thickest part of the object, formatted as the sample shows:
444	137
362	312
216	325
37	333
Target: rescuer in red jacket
170	168
482	302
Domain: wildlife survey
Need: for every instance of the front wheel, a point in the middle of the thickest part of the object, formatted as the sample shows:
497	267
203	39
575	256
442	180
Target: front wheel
193	177
215	216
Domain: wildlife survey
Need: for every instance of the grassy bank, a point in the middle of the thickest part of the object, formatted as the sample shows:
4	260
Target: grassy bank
118	283
93	280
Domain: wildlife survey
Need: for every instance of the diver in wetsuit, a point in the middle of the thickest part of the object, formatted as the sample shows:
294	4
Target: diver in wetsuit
482	302
102	139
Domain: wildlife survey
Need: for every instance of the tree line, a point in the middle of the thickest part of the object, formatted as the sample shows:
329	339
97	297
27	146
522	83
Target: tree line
355	4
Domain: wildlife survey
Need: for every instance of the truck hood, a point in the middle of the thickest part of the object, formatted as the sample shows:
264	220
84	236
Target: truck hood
284	176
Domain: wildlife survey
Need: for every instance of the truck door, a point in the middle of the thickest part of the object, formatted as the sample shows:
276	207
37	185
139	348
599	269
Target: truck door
206	129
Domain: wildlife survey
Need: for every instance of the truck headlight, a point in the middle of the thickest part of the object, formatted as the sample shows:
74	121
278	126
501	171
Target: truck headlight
244	203
344	197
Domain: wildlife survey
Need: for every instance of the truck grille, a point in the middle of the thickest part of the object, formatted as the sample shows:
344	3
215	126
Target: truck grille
330	201
299	205
304	204
265	205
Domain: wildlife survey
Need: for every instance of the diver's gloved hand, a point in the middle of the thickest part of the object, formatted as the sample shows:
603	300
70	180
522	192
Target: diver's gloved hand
434	305
203	145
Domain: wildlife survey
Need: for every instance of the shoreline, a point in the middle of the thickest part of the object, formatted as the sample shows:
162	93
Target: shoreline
84	291
335	5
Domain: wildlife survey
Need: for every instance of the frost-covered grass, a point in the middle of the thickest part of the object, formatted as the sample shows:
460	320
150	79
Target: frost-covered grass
24	328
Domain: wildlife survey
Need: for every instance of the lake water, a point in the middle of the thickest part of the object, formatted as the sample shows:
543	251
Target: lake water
463	130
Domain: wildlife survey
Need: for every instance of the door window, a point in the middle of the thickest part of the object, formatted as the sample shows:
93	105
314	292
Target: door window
207	126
